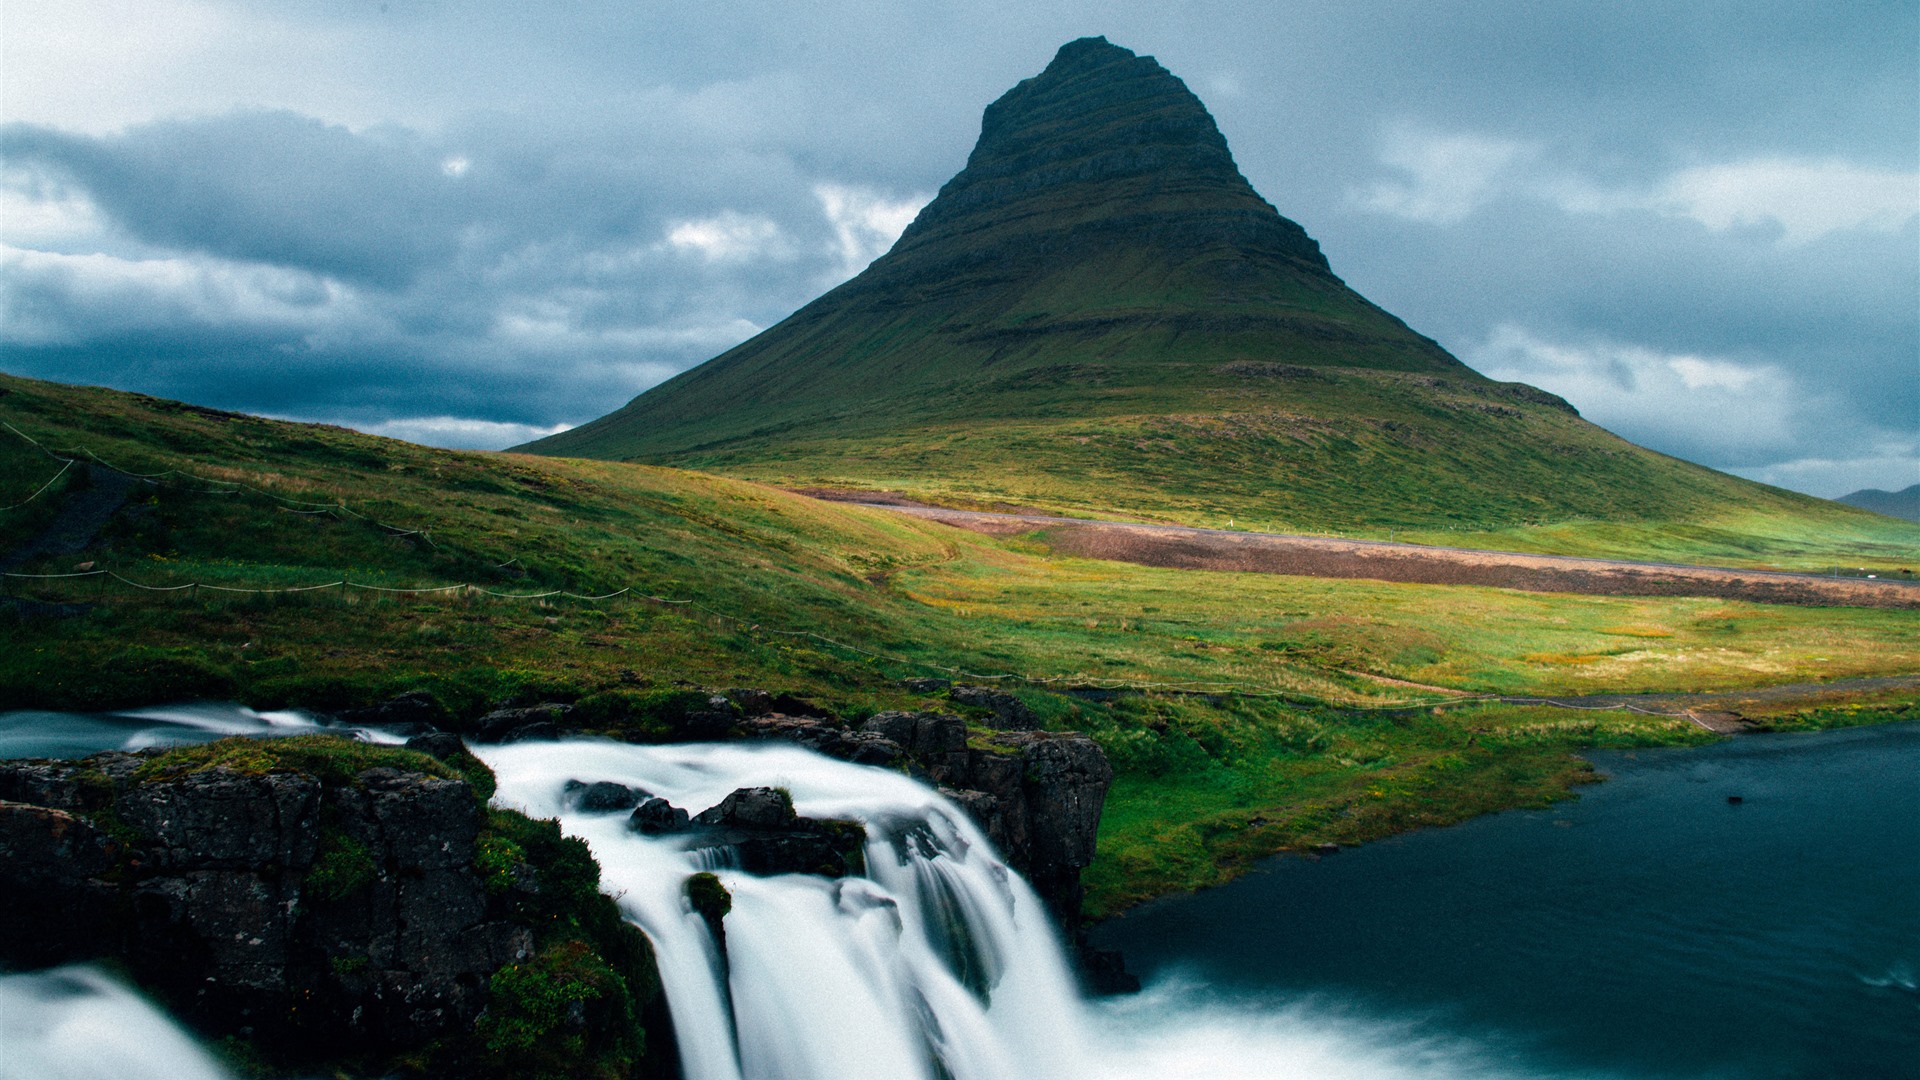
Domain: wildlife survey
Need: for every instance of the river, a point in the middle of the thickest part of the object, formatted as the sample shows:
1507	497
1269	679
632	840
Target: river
1651	928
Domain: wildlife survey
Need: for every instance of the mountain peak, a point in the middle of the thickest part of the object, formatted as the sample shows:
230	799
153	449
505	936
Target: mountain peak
1099	234
1102	138
1096	96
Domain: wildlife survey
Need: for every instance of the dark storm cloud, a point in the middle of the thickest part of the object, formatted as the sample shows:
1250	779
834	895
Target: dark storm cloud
1688	216
515	274
265	187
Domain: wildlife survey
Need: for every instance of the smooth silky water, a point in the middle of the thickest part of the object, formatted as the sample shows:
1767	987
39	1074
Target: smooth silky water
1650	929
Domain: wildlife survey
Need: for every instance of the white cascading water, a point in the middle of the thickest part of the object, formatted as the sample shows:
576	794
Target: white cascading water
75	1023
940	963
940	955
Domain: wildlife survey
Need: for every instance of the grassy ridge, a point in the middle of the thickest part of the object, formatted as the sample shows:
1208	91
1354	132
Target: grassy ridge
1099	316
1193	770
1363	454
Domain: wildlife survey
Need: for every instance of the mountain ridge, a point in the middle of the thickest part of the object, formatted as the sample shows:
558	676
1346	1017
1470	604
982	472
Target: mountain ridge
1104	162
1099	315
1903	504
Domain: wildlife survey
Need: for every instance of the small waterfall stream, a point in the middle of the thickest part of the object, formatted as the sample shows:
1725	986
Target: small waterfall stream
940	964
75	1023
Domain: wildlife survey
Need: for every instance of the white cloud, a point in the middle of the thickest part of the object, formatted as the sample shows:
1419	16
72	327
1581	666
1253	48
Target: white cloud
456	432
1446	178
550	327
1714	407
1891	463
1804	199
36	212
1700	373
730	237
105	65
865	223
100	294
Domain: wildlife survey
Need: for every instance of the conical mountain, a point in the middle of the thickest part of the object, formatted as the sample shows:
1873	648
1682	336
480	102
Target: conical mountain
1099	314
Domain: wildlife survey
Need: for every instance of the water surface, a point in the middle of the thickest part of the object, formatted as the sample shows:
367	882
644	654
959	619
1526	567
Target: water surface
1651	928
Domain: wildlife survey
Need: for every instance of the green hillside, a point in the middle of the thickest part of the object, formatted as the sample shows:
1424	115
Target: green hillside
283	564
1099	316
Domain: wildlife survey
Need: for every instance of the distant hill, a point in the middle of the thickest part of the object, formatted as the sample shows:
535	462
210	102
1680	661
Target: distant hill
1100	315
1901	504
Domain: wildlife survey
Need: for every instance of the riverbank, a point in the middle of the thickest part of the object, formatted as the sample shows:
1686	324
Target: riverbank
1743	908
1226	785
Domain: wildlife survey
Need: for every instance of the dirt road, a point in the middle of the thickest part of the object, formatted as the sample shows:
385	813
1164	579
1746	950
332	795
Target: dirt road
1309	556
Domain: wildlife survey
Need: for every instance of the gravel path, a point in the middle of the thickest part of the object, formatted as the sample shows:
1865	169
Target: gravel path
1311	556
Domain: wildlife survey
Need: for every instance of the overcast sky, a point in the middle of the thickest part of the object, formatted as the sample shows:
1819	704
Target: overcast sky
468	223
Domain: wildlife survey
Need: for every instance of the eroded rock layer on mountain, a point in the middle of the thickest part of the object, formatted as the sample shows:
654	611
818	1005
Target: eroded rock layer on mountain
1100	218
1103	148
1099	316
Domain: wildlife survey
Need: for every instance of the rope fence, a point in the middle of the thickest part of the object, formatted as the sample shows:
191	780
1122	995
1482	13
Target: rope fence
222	487
43	487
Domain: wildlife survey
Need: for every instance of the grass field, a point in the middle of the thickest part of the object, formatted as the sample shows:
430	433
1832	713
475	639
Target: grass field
1538	481
1320	739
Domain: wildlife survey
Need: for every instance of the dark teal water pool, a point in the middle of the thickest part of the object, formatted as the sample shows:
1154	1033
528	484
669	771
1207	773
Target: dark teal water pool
1650	928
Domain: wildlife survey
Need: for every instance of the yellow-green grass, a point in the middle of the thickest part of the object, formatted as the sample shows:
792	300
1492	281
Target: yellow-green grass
1115	621
1363	454
1279	779
766	567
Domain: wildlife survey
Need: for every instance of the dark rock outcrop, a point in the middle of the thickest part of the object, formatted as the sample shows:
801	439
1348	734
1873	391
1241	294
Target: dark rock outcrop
657	816
1005	711
524	722
713	721
937	742
825	736
604	796
442	745
338	909
1038	795
750	808
415	710
762	834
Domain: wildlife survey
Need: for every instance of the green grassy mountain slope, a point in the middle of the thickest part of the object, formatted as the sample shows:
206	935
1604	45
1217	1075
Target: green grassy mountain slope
1904	503
151	600
1100	244
1099	315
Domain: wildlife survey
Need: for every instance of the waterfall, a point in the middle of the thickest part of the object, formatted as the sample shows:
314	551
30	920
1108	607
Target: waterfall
74	1023
941	964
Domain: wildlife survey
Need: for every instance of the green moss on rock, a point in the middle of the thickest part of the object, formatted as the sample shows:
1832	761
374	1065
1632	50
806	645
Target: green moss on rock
332	760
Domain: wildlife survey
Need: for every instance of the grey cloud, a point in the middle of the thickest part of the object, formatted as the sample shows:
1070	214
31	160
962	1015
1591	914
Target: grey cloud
1840	311
306	269
536	288
265	187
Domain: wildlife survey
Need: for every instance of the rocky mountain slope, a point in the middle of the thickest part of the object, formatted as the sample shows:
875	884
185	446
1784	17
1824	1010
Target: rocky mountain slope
1100	314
